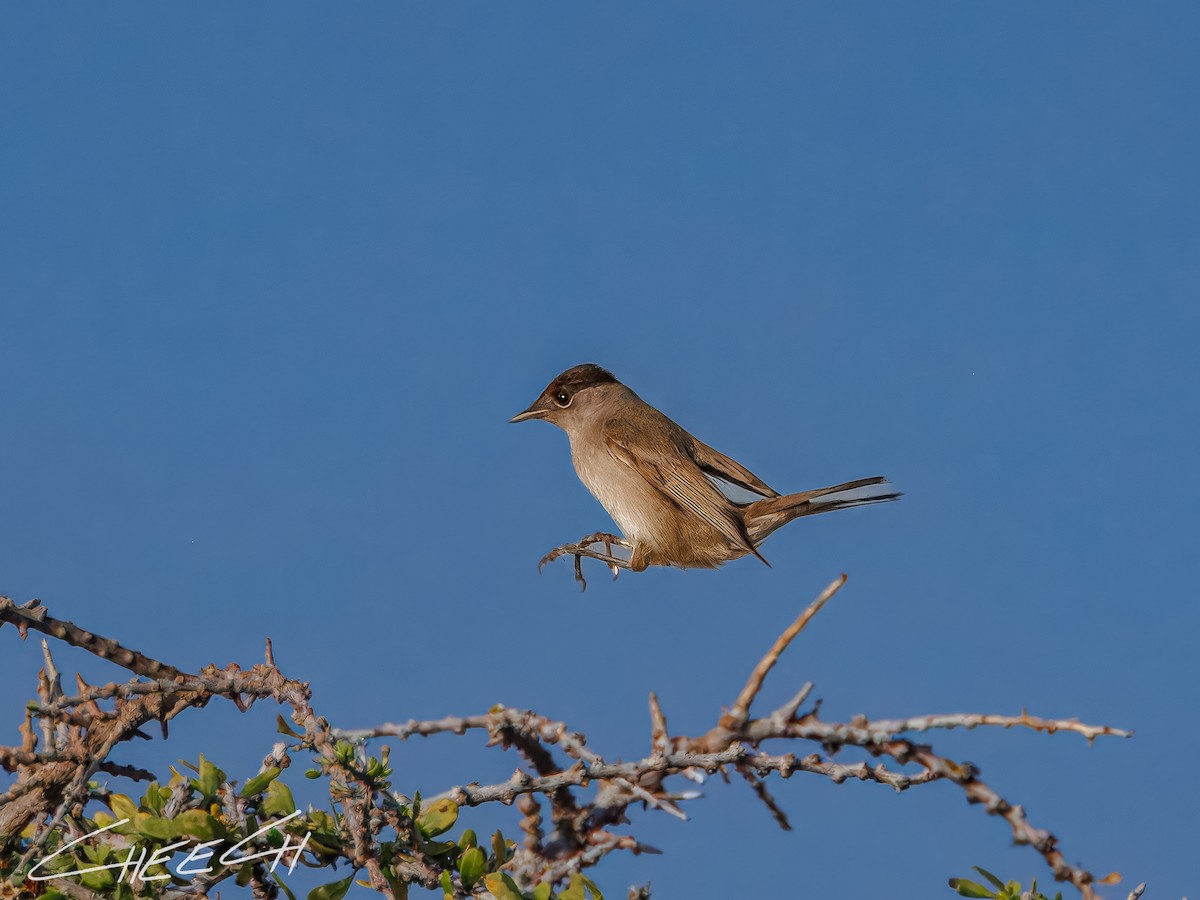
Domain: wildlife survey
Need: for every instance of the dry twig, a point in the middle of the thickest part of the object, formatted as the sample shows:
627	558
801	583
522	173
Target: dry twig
78	735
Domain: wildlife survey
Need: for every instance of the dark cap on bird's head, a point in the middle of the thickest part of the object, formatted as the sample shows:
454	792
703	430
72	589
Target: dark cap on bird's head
560	393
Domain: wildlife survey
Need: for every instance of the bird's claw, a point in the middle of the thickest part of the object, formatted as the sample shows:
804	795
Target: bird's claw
584	548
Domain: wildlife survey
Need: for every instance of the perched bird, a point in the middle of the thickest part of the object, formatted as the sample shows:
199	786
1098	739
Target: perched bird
678	501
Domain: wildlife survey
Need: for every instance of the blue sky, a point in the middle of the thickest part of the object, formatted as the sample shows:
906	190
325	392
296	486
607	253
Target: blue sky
275	276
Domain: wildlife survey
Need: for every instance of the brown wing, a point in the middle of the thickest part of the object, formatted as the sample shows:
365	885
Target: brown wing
663	460
723	467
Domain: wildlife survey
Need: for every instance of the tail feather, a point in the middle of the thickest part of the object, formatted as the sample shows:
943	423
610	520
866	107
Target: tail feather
765	516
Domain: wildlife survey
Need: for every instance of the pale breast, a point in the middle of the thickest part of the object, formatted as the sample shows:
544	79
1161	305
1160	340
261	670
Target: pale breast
636	507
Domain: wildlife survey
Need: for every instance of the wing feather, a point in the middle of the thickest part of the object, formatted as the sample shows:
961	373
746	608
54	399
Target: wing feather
662	461
720	465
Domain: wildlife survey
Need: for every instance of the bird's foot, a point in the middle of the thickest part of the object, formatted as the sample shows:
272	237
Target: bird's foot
584	548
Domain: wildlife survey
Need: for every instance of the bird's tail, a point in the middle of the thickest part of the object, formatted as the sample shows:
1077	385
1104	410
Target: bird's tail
764	516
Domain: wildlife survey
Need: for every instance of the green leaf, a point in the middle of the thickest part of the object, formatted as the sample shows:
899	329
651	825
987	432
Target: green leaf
154	827
287	890
324	843
198	824
471	867
468	839
591	886
995	882
399	888
574	889
542	891
334	891
278	801
100	855
439	817
256	784
447	886
969	888
499	848
98	881
122	806
282	727
155	798
502	887
210	778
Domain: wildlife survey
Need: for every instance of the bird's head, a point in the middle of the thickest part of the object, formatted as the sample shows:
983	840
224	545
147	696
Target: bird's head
567	397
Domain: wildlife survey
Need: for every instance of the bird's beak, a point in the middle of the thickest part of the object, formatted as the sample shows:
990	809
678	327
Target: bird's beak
534	412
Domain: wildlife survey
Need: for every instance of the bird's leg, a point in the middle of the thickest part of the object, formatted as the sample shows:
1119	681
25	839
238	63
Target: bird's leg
584	548
608	541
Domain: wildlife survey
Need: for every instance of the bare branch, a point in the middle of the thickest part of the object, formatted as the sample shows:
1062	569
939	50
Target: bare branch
973	720
740	711
33	615
590	797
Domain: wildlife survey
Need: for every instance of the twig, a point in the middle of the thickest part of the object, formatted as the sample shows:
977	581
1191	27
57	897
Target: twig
79	736
740	711
973	720
33	615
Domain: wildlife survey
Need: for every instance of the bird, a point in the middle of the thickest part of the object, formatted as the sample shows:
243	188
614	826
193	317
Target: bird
677	501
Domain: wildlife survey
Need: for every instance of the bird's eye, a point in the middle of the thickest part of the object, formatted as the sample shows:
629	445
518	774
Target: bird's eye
563	399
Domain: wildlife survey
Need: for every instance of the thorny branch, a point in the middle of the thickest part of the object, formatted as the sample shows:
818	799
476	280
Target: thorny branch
78	735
